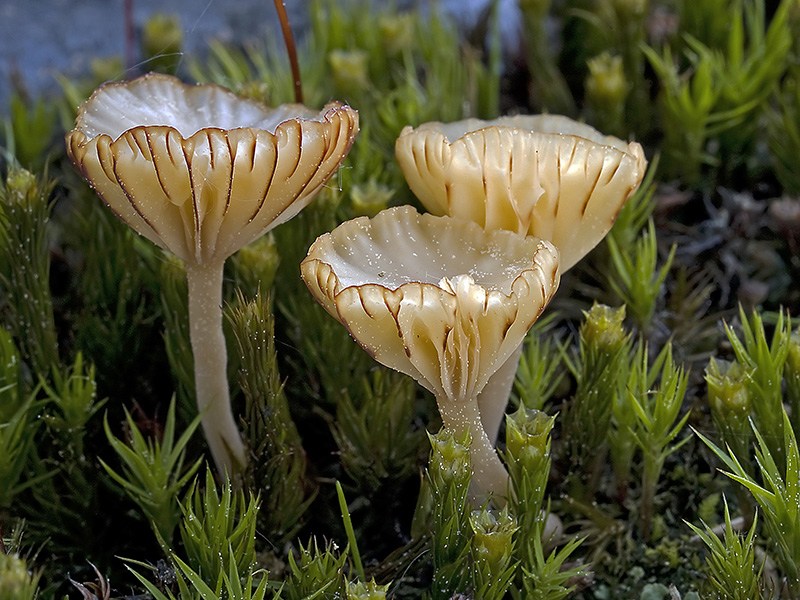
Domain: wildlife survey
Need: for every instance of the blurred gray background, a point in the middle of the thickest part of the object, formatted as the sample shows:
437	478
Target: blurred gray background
41	38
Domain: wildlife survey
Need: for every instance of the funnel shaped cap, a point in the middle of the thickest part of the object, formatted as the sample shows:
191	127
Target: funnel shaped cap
437	298
200	171
541	175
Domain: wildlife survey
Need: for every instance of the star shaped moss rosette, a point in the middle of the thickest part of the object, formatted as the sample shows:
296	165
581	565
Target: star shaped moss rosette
439	299
201	173
541	175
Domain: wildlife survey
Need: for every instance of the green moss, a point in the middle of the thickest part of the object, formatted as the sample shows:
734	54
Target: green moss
95	317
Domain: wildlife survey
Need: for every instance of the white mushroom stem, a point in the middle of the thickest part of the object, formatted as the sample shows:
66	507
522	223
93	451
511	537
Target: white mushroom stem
210	366
489	475
493	399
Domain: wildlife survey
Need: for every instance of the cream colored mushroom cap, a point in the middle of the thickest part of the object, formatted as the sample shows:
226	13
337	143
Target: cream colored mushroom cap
437	298
541	175
200	171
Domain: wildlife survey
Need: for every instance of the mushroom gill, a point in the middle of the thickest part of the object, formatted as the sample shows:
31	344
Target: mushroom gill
541	175
438	299
201	173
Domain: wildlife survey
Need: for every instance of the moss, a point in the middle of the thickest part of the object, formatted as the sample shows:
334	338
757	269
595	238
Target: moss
94	332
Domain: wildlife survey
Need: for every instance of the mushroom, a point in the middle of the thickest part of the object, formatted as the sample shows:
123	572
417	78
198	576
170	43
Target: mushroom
438	299
541	175
201	172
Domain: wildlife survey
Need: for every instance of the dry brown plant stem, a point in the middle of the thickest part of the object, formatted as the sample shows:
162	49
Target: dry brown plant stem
288	37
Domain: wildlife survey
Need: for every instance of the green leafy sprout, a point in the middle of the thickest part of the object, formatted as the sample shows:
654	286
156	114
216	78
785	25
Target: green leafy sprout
153	472
732	566
776	495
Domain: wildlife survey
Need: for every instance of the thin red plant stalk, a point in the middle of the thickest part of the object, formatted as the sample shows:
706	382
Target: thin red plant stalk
288	37
130	36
